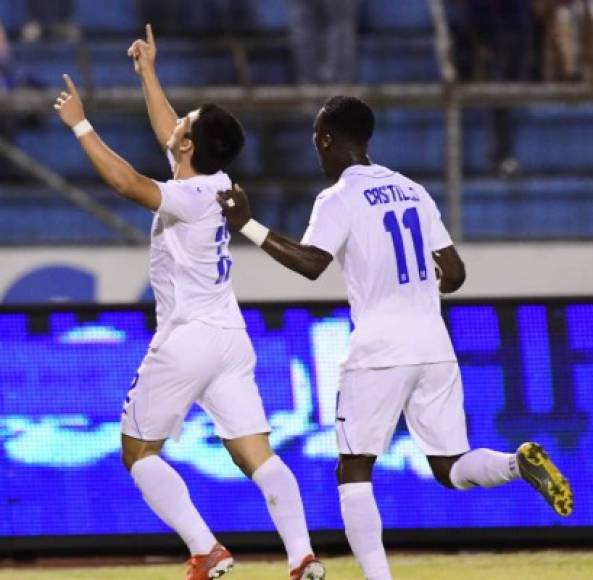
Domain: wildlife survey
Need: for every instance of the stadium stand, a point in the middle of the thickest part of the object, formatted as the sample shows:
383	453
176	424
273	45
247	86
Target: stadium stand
279	165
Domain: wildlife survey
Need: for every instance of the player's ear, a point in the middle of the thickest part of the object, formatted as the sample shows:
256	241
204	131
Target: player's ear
186	146
326	141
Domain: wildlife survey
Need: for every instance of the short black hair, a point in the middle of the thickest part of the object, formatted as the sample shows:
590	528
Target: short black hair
218	138
350	117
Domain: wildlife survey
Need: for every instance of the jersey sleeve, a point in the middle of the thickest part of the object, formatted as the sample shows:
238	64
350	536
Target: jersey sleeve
439	236
329	224
181	201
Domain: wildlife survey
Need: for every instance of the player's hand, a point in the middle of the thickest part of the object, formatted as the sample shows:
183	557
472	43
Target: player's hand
143	52
235	206
69	104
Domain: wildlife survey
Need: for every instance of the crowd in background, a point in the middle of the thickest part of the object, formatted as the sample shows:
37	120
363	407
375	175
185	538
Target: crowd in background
521	40
500	40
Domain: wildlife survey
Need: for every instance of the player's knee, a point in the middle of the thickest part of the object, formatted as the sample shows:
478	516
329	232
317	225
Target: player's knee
441	469
133	450
128	458
355	469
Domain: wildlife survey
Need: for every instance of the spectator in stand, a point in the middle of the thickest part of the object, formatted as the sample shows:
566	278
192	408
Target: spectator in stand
170	16
52	18
493	42
558	25
493	38
324	40
6	74
7	83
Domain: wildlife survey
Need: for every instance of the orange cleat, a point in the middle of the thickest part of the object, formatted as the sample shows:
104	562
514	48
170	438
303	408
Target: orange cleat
310	569
213	565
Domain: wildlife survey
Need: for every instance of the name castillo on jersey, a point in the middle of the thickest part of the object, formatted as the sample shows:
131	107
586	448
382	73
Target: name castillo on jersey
389	194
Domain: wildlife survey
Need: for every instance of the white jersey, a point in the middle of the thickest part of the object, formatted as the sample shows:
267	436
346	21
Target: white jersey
382	227
190	262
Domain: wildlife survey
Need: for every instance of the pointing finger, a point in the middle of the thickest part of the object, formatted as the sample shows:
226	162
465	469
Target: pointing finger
71	86
149	35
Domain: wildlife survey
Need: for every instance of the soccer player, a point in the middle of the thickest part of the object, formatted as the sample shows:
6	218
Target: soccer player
385	230
200	352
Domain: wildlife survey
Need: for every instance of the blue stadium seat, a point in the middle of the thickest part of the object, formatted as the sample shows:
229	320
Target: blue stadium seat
180	63
108	15
290	151
404	15
262	15
409	141
55	146
13	14
555	139
249	163
477	140
271	66
44	64
539	208
550	139
387	61
46	219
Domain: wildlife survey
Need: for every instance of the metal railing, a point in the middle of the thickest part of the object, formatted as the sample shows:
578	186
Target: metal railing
451	98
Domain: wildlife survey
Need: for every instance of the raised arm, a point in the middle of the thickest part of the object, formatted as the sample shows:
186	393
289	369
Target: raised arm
115	171
163	117
306	260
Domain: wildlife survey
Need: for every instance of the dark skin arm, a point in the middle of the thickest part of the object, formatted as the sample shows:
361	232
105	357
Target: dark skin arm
452	269
308	261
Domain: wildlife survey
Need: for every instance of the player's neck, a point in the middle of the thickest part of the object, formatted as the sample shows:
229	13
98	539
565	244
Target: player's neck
184	170
352	158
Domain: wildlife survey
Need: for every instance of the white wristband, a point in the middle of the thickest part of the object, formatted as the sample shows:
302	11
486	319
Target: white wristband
255	232
82	128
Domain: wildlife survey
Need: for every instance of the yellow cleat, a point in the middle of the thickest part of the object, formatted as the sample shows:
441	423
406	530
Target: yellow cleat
539	471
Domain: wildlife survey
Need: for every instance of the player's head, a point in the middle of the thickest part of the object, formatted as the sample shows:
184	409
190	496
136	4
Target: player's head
210	137
342	130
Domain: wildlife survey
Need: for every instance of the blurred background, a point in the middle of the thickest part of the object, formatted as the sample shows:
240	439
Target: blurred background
488	103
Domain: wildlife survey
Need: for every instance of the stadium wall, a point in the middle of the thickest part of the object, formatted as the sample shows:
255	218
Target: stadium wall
119	275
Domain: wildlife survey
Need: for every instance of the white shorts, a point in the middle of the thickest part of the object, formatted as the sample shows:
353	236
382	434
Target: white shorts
197	363
370	402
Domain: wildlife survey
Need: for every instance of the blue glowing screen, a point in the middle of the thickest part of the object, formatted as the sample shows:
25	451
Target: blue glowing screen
527	370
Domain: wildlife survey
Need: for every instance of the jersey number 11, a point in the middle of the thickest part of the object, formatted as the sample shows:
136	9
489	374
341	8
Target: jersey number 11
411	221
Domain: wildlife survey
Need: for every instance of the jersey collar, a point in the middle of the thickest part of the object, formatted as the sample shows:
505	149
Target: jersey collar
367	171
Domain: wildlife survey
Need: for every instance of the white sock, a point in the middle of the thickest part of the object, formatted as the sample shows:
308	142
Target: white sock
166	493
281	492
364	529
485	468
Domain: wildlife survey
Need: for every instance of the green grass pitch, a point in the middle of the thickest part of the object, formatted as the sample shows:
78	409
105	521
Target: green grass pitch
544	565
